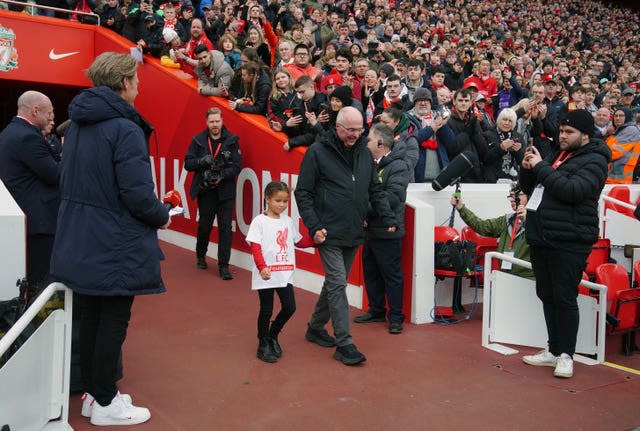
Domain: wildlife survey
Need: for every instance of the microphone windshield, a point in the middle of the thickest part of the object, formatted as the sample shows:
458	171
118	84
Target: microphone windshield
458	167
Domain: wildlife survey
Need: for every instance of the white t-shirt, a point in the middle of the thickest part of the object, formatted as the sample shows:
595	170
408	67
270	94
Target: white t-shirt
277	238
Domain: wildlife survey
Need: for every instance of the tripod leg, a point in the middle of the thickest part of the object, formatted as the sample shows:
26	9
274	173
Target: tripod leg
457	295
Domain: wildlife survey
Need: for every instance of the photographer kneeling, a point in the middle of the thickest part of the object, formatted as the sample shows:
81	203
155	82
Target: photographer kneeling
214	156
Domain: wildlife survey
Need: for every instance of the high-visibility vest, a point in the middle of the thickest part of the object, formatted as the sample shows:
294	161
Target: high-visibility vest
625	151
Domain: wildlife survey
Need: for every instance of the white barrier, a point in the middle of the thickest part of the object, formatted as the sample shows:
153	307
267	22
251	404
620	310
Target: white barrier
12	244
513	314
34	383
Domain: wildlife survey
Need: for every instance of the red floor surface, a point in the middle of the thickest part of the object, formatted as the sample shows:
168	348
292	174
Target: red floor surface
190	358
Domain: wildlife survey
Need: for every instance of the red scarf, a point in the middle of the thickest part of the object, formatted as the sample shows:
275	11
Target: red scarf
170	23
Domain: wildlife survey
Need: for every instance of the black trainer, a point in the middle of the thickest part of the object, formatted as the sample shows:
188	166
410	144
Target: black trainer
201	263
319	336
368	318
395	328
349	355
225	274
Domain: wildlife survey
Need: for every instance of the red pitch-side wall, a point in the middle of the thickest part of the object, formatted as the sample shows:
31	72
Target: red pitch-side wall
169	100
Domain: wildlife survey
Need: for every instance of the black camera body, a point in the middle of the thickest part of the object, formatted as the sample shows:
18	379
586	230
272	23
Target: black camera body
211	175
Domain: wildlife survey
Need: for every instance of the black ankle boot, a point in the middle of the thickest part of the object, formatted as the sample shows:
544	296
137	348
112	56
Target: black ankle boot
265	353
275	346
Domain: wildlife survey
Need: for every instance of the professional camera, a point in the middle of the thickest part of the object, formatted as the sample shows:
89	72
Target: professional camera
214	173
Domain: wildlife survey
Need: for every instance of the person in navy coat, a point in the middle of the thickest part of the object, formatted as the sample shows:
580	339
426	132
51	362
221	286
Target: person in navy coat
30	172
106	248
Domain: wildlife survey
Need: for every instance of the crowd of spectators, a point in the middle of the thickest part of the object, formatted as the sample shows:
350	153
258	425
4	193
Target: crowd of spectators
490	77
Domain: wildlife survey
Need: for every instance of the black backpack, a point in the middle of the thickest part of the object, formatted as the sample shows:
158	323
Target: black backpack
458	256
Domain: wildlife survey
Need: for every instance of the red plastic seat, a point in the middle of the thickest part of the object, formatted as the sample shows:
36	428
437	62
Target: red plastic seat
623	303
623	194
600	253
484	245
444	234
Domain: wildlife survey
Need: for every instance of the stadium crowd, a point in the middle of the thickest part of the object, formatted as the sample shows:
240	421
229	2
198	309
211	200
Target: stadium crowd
446	76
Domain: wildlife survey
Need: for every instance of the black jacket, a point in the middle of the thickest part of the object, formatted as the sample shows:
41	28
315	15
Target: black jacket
469	138
567	217
333	195
393	174
260	98
278	108
31	174
152	36
231	168
494	160
304	134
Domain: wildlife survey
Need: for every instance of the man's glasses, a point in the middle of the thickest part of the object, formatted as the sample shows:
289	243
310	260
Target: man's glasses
302	54
357	130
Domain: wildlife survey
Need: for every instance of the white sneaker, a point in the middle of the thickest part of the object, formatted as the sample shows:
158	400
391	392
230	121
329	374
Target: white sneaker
88	401
564	367
118	413
543	358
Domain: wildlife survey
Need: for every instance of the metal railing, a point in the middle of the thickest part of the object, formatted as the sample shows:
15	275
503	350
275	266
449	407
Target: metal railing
53	351
601	305
619	202
35	6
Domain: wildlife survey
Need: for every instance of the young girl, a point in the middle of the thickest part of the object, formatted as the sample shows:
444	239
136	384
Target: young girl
271	237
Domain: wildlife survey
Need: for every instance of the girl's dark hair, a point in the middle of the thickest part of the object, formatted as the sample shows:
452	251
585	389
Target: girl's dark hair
274	187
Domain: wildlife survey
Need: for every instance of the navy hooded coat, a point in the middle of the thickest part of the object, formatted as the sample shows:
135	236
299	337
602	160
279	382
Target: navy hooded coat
106	242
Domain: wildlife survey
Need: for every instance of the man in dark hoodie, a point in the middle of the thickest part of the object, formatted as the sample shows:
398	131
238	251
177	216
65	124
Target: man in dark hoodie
106	248
561	227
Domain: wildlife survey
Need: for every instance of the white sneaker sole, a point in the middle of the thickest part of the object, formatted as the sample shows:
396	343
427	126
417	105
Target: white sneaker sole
538	364
563	375
106	421
87	407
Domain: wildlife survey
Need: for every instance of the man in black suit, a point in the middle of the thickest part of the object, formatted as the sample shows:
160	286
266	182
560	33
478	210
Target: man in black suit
31	173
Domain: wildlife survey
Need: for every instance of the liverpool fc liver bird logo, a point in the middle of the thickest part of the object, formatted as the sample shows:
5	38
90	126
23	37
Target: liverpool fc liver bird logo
281	240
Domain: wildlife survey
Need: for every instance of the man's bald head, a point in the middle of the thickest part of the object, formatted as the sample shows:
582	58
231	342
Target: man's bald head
349	125
36	108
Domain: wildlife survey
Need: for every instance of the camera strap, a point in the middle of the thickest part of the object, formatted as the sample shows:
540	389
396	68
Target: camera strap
209	140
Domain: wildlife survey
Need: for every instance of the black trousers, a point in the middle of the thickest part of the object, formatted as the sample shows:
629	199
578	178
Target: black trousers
39	249
383	276
103	328
211	207
558	274
287	308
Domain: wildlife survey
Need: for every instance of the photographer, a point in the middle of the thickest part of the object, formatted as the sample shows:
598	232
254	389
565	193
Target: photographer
215	158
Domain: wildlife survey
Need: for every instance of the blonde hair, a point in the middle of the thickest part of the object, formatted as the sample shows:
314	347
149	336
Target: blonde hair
109	69
509	114
276	93
224	38
213	111
261	38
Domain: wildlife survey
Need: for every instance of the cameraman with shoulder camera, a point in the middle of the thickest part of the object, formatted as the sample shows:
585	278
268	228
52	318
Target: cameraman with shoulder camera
214	156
